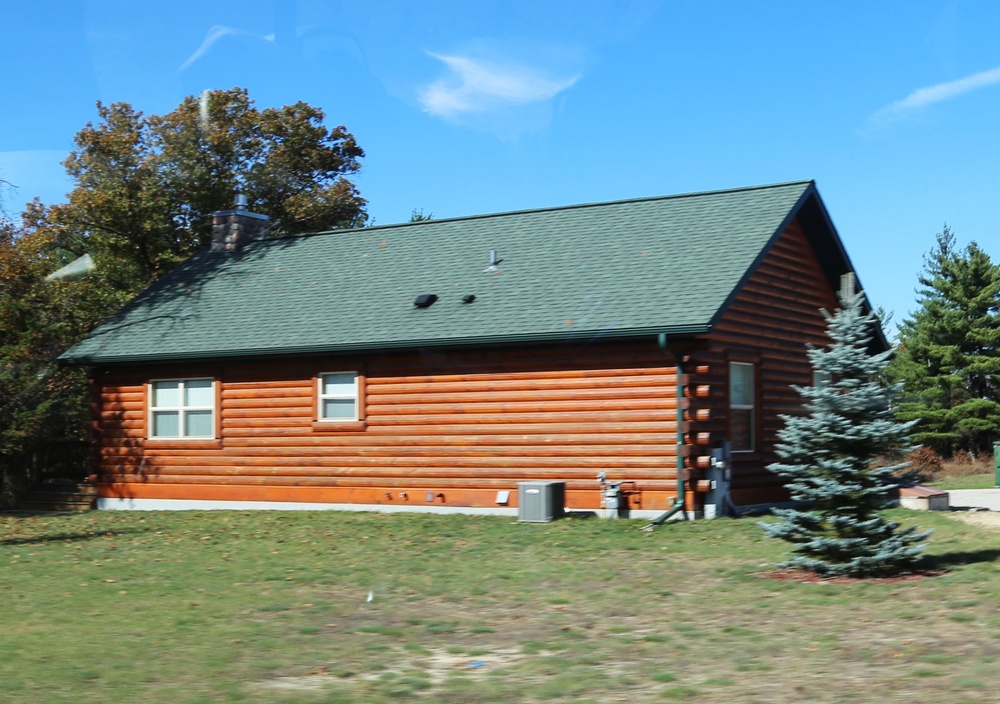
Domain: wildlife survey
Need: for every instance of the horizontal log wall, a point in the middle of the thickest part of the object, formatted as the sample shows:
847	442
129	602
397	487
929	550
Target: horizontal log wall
461	425
769	324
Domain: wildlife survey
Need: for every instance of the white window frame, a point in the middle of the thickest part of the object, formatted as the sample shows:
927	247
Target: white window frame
181	409
751	407
821	379
354	396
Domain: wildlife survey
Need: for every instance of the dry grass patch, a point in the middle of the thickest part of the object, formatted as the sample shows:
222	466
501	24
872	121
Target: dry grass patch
961	471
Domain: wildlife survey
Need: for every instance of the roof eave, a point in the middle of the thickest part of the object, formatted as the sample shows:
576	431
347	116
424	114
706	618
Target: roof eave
344	348
765	250
812	209
820	214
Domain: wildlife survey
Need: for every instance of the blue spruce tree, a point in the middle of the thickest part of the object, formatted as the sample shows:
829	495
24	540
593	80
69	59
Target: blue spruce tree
830	455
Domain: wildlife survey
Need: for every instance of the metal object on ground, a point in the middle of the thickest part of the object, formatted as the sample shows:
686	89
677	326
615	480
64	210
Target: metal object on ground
540	502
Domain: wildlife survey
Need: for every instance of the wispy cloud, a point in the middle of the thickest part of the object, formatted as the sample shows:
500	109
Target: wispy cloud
940	92
217	33
476	85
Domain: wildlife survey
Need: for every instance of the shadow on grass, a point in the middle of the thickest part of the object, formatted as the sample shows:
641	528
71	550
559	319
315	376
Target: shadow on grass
70	537
579	515
948	560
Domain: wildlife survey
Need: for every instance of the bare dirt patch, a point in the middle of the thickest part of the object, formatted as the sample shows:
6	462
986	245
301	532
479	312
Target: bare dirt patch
986	519
305	683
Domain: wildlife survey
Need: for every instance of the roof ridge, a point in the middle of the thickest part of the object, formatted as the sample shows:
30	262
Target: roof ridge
557	208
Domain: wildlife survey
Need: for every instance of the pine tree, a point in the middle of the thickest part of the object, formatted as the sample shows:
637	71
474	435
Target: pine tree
830	454
949	351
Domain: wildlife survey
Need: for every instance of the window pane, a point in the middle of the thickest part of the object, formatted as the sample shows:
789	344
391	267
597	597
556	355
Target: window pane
339	384
166	424
740	384
198	424
199	393
339	408
166	394
821	379
741	429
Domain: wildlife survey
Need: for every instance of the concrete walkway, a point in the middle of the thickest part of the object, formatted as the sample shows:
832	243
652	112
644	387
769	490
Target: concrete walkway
974	498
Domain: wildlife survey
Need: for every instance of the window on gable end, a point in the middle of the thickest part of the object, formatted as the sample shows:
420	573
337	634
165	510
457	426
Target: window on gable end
742	426
821	378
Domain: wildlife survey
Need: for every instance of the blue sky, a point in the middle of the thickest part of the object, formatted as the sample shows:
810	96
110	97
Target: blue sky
476	106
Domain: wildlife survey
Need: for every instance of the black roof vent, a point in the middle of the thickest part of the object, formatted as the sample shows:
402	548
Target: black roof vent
468	299
425	300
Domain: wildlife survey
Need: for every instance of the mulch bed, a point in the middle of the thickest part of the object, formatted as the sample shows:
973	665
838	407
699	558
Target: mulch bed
806	577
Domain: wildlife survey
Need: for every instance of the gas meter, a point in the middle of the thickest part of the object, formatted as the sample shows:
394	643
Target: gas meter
611	494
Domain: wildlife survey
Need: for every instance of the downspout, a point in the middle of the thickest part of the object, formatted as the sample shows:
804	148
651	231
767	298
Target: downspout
678	507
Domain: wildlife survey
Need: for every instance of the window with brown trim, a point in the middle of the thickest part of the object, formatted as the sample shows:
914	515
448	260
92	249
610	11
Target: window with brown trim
742	427
339	402
338	397
182	409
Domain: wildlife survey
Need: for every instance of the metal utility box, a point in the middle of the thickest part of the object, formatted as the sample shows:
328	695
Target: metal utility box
719	475
540	502
613	495
996	463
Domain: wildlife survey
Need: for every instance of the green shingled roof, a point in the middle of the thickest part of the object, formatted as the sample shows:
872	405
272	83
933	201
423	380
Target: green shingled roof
632	267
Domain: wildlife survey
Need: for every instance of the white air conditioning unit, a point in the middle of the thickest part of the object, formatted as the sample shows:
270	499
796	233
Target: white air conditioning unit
540	502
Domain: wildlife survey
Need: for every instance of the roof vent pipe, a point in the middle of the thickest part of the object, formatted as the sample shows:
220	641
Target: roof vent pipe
494	261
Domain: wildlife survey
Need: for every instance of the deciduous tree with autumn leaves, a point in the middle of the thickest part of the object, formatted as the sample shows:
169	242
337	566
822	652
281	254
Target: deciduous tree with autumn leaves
144	190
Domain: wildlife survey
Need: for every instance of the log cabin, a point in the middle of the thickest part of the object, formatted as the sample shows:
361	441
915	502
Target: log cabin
439	365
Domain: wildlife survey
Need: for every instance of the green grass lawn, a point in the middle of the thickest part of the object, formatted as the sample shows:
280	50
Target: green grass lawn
970	481
340	607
